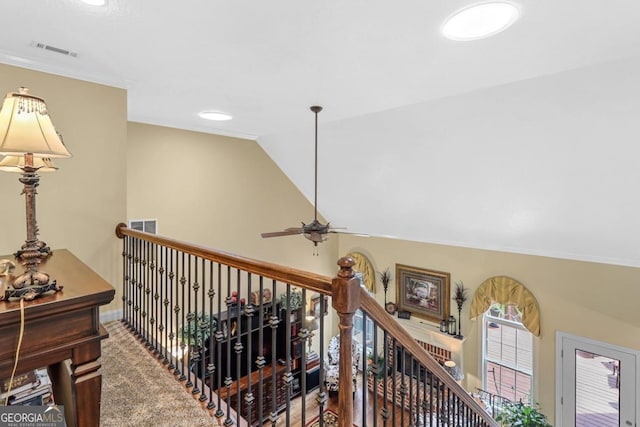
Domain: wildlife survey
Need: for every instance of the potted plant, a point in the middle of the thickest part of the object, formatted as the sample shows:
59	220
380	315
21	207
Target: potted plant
197	330
196	333
376	372
294	301
378	365
517	414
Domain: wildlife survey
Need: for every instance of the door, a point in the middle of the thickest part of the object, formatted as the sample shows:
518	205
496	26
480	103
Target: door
597	384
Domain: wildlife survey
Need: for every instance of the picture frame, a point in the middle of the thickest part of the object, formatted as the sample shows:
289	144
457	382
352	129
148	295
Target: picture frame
315	306
425	293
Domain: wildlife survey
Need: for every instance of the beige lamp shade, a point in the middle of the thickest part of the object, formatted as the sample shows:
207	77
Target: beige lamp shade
16	163
312	323
25	127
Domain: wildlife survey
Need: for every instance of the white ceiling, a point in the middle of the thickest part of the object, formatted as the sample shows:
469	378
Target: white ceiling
523	142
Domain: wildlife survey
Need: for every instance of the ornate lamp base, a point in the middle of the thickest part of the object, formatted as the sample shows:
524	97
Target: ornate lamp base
30	292
29	285
43	251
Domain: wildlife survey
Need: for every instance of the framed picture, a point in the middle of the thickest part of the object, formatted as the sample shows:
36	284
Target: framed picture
424	293
315	306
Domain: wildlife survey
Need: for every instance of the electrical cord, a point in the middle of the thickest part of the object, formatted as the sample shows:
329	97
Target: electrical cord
15	365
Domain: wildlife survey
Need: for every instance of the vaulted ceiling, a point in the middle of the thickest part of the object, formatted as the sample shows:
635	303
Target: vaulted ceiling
523	142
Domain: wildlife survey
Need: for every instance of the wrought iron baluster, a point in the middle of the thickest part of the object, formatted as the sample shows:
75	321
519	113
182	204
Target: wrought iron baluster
125	277
238	347
421	389
194	348
228	381
288	376
165	303
385	397
365	368
219	337
303	334
183	281
249	396
207	362
173	304
146	292
376	373
411	394
321	398
153	299
403	385
273	323
139	290
260	360
394	385
157	319
126	302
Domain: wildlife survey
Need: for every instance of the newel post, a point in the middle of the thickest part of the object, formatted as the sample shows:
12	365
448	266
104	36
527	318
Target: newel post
345	300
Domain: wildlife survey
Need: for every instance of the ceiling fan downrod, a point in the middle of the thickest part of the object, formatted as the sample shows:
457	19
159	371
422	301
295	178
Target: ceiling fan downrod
316	109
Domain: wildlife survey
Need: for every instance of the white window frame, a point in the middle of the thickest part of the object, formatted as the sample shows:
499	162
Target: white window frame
357	333
486	318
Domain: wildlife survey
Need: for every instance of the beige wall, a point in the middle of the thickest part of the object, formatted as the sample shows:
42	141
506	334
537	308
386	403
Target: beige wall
591	300
79	205
220	192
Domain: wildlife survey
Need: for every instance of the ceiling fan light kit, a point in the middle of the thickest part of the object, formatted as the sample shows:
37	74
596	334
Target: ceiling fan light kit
315	231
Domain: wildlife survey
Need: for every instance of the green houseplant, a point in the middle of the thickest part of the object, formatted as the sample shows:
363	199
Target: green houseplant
294	301
517	414
381	365
197	329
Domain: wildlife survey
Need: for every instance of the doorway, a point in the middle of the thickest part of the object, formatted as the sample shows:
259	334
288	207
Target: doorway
596	383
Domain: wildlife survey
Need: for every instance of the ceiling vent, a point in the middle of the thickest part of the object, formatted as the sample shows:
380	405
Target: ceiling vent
54	49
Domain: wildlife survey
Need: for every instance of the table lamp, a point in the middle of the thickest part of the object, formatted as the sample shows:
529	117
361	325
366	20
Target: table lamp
16	164
453	370
26	131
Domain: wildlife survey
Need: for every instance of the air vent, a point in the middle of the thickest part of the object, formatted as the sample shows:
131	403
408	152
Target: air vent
146	225
54	49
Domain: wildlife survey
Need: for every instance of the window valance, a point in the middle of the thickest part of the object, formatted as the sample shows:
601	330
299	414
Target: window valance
363	265
505	290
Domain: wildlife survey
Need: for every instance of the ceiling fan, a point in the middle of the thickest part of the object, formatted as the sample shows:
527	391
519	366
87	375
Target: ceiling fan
315	230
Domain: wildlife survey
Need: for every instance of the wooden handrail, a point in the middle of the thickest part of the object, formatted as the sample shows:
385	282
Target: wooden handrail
347	297
304	279
391	325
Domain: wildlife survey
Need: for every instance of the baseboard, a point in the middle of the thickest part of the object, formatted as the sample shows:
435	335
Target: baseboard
109	316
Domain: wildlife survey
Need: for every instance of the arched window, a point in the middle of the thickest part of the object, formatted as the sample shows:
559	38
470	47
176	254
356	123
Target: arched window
510	319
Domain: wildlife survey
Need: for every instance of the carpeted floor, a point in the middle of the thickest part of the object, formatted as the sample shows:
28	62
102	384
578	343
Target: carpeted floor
138	390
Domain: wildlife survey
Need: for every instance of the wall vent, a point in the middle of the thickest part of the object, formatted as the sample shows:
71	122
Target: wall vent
146	225
50	48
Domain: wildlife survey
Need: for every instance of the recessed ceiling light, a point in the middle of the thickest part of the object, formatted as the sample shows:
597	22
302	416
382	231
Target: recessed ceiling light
95	2
215	115
480	20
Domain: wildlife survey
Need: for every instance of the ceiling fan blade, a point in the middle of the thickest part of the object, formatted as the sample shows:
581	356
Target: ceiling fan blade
341	231
287	232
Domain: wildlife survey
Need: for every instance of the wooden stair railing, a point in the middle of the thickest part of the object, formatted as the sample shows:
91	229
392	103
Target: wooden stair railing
148	290
304	279
348	296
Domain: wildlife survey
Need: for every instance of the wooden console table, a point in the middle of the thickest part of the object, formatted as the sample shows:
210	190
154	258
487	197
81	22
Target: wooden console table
61	331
